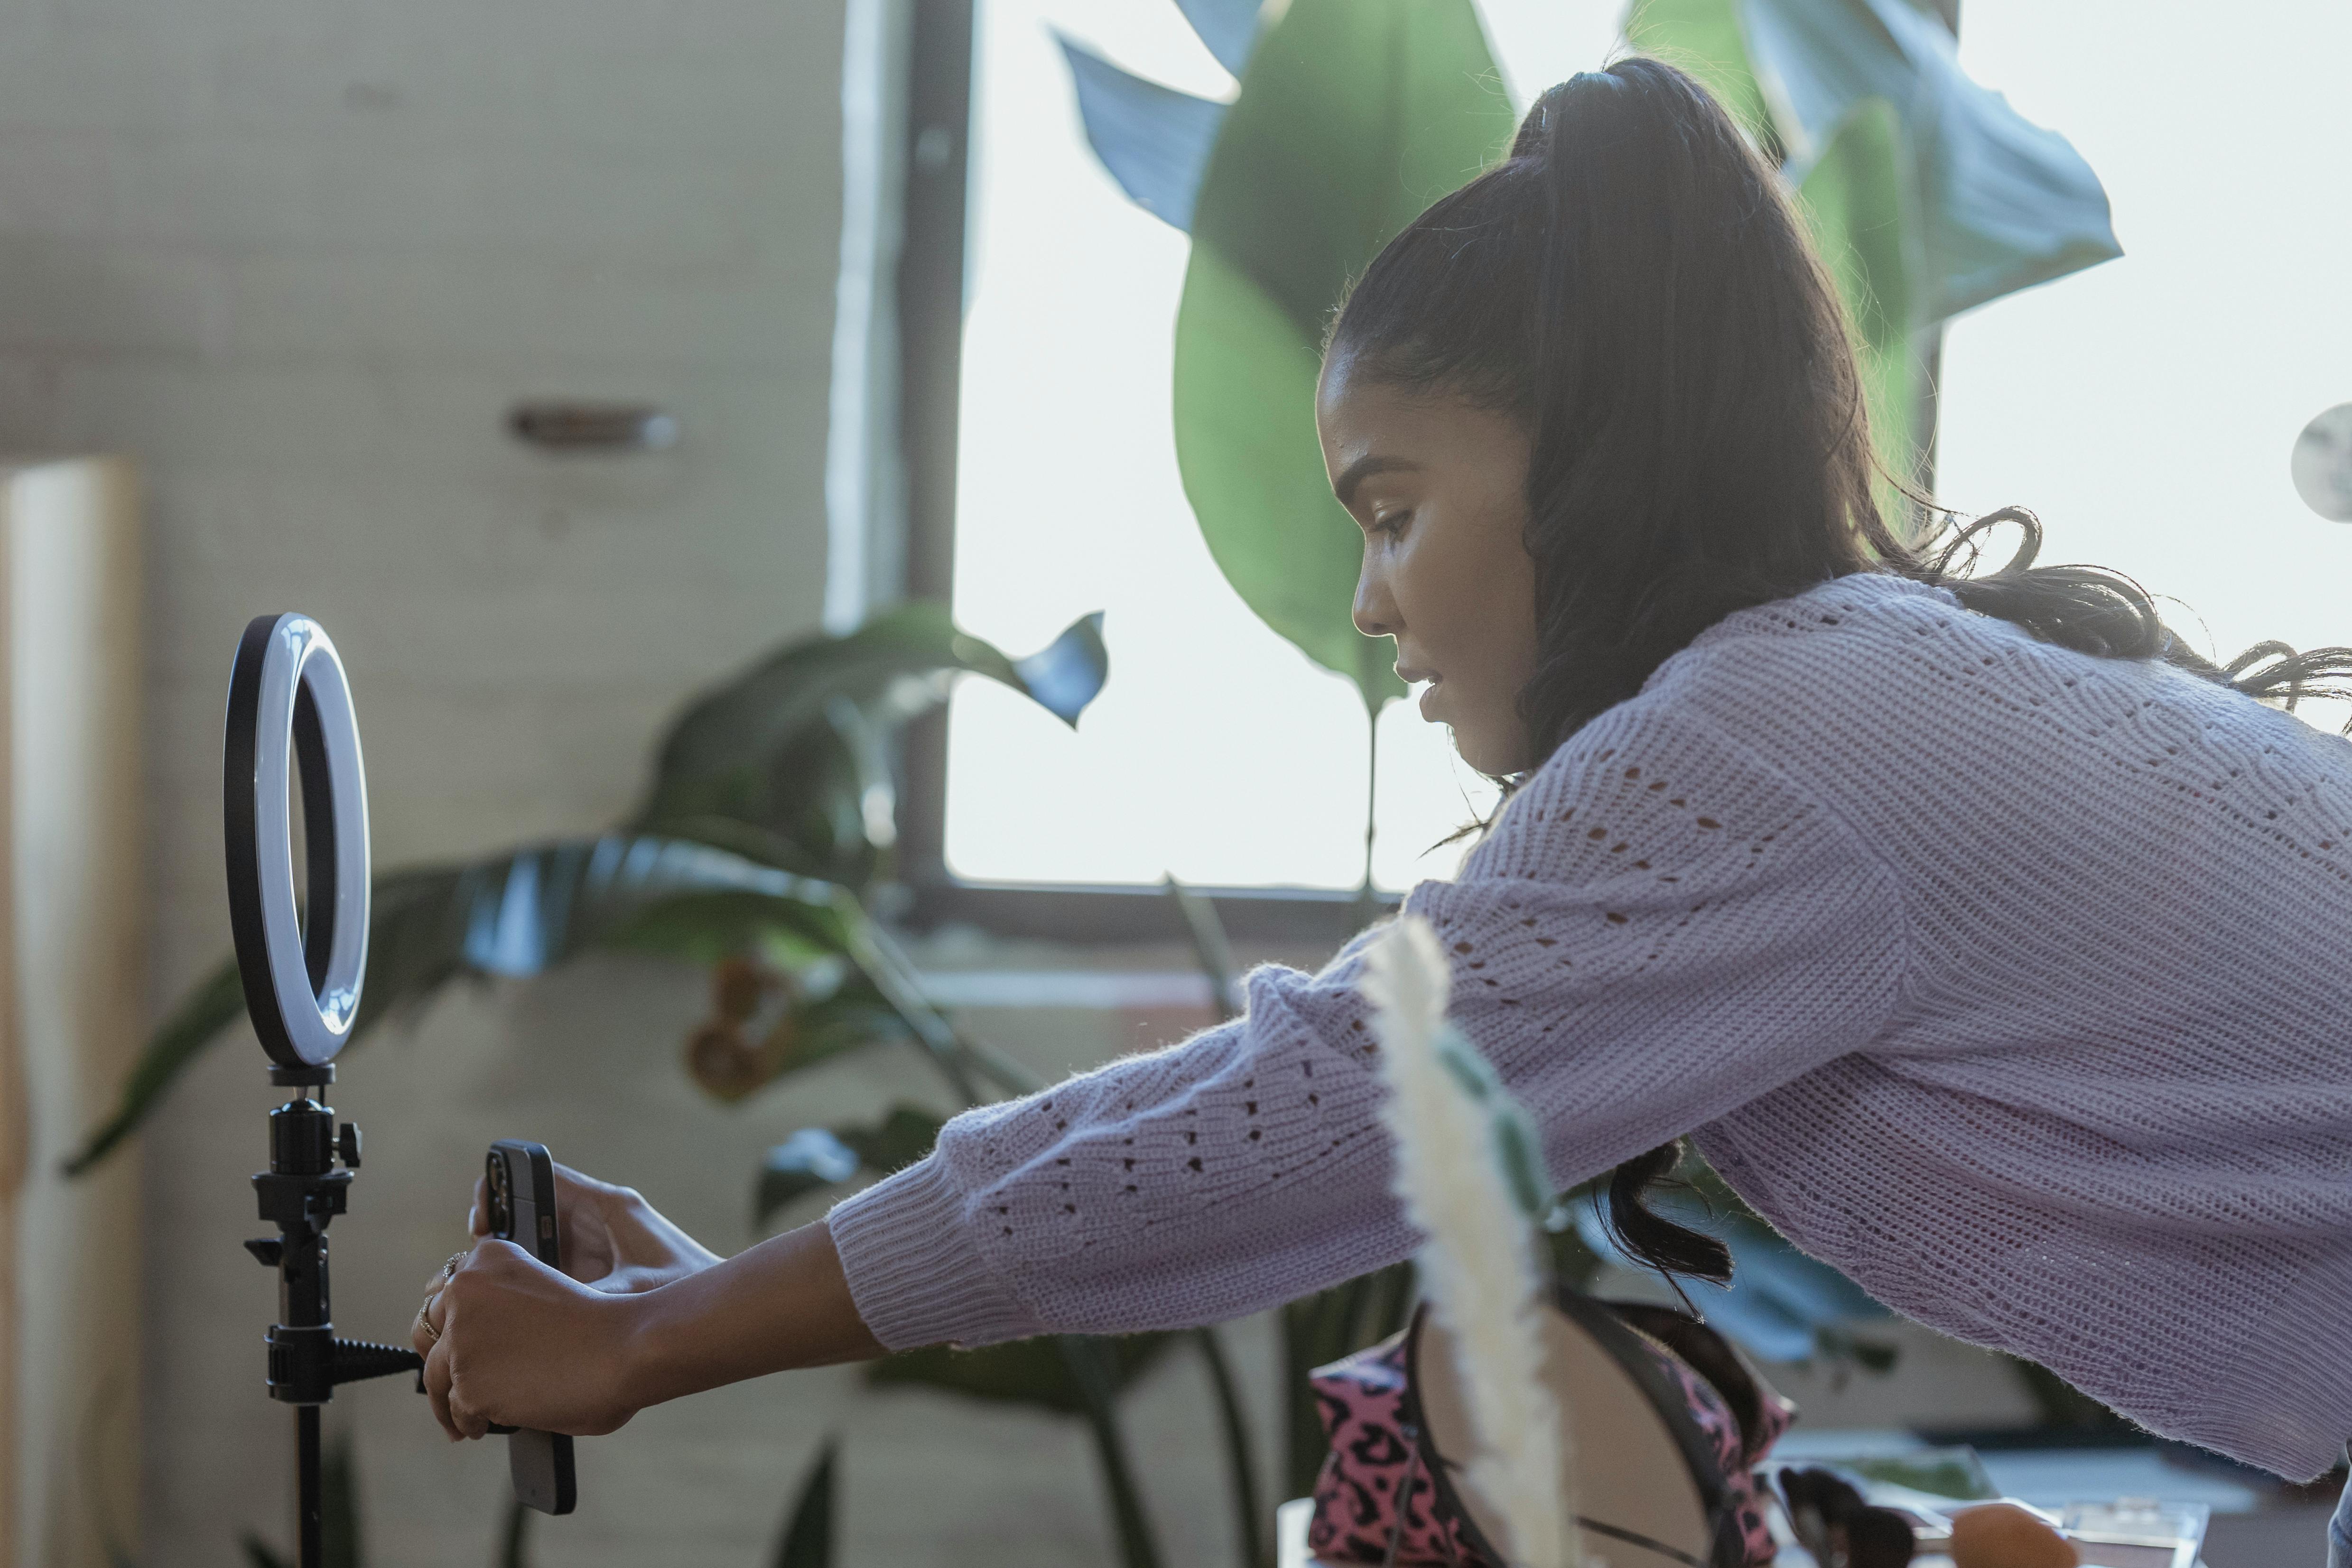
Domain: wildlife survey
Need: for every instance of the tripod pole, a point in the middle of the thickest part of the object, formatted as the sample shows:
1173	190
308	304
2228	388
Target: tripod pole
301	1192
311	1523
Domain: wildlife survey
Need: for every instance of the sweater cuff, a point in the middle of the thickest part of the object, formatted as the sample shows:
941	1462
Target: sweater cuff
916	1276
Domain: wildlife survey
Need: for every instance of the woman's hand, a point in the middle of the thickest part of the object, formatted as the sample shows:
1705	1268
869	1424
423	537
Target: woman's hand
610	1238
507	1339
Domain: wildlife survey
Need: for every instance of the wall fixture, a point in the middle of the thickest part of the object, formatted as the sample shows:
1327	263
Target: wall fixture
559	425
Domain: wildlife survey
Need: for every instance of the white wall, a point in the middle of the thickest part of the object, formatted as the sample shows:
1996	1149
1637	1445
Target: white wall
296	259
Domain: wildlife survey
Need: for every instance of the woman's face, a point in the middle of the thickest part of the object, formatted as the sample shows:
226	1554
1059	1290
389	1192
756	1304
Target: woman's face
1439	487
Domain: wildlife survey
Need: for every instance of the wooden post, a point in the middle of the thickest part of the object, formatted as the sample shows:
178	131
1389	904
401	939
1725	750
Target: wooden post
72	1007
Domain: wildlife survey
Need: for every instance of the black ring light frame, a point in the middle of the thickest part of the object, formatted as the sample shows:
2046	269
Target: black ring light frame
288	703
288	697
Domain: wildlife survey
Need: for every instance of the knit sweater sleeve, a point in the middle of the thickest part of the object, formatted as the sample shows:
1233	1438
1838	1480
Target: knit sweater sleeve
1661	928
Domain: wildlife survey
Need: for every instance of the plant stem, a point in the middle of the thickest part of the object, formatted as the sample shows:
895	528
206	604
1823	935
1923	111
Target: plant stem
1210	948
957	1057
1367	902
1084	1357
1240	1456
514	1548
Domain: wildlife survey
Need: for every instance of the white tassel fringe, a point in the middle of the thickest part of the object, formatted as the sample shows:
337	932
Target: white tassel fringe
1477	1264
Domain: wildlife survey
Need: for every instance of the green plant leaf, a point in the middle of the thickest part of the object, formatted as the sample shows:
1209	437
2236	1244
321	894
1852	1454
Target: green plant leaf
2005	203
1704	38
1354	115
786	762
807	1538
1241	1453
1151	138
1228	28
1096	1370
2002	204
1858	201
1517	1144
216	1003
1032	1372
1779	1301
510	914
817	1157
1069	1375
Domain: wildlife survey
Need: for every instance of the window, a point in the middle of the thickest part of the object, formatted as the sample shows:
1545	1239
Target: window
2146	408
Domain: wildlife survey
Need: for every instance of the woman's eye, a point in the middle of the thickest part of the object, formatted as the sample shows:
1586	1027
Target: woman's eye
1392	524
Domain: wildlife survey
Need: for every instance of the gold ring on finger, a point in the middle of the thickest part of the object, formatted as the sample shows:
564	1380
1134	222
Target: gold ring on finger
425	1322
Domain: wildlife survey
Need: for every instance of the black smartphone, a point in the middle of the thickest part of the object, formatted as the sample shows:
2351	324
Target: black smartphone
519	1179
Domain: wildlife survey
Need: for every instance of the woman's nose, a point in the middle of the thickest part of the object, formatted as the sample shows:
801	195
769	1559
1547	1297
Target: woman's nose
1375	609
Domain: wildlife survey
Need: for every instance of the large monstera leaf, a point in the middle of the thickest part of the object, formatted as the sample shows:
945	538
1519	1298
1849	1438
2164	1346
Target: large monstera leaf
2002	203
1858	200
787	761
514	913
1928	195
1354	115
771	801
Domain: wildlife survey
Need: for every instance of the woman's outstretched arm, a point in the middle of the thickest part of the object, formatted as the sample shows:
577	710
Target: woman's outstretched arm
1660	929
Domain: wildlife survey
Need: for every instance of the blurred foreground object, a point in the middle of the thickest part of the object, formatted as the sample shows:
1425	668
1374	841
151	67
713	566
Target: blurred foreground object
2322	464
1469	1172
72	980
2004	1535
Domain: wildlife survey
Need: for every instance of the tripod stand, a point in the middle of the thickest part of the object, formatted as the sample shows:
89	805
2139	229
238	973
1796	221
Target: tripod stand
301	1192
288	697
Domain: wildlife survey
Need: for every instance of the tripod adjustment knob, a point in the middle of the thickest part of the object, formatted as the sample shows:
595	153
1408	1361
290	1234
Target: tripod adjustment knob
267	1250
347	1143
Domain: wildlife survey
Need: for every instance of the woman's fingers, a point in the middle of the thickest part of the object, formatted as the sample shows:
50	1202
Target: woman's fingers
436	1389
422	1339
450	1407
519	1343
470	1422
478	1219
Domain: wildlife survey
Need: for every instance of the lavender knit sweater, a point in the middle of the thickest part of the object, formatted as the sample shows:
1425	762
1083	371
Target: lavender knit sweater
2014	982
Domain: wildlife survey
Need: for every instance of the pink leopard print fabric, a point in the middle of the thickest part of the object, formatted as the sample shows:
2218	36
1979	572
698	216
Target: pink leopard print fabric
1362	1401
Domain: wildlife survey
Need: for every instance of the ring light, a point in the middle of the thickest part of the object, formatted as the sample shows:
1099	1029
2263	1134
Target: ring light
286	699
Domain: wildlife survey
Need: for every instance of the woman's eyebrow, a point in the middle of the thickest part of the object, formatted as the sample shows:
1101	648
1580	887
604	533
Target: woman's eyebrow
1344	486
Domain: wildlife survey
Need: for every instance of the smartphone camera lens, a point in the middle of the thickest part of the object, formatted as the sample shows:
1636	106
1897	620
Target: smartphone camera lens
501	1215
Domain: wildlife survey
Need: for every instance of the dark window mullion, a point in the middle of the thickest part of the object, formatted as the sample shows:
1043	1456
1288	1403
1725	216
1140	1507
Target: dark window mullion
931	305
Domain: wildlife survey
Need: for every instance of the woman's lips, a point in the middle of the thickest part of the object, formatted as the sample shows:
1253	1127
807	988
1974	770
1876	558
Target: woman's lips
1430	696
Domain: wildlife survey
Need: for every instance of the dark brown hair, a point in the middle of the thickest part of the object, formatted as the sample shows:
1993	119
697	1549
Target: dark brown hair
1633	284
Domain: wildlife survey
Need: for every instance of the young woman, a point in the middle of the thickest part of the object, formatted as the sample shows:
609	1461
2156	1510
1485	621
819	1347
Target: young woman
1990	943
